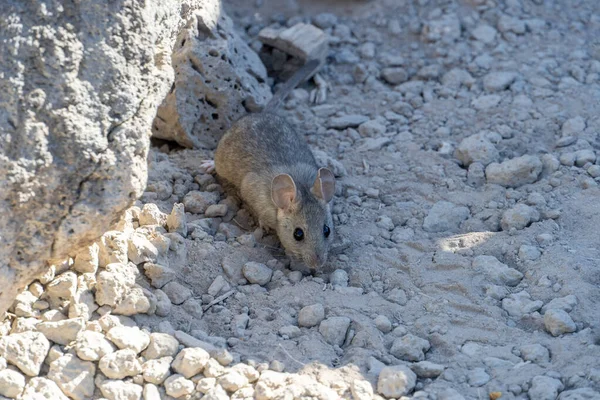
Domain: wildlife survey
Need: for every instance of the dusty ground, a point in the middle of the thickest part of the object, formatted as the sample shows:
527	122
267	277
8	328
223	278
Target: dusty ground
525	77
424	282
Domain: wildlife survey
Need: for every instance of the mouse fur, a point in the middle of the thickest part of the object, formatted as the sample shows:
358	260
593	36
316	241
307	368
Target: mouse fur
277	176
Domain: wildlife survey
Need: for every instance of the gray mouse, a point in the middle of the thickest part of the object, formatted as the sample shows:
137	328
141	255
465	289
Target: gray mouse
277	176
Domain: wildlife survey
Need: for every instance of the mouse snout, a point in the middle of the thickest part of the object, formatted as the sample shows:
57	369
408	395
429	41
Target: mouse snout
315	261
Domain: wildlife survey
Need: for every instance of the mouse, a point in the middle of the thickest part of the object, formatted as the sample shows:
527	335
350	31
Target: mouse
276	175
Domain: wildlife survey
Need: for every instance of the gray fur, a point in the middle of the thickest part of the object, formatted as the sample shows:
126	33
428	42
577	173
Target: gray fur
255	150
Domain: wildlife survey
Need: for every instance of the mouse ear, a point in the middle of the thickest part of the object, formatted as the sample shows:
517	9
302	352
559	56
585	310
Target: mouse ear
283	191
324	187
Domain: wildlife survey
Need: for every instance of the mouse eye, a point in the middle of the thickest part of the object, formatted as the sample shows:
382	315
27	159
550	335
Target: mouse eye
326	231
298	234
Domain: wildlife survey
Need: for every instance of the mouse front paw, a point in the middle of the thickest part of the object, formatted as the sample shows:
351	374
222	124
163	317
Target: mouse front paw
208	166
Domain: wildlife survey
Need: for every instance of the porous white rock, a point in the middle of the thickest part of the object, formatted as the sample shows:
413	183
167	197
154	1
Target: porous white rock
514	172
73	376
177	386
26	351
161	345
190	361
92	346
156	371
43	388
62	332
119	390
129	338
12	383
311	315
120	364
396	381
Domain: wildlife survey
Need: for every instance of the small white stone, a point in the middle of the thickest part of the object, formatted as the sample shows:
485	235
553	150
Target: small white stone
427	369
544	388
339	277
445	216
519	217
92	346
500	80
156	371
410	348
26	351
176	292
62	332
529	253
558	322
161	345
476	148
140	249
12	383
151	215
396	381
119	390
361	389
514	172
129	338
177	386
334	330
120	364
573	126
496	271
257	273
74	377
312	315
562	303
177	221
86	261
113	283
190	361
206	384
478	377
151	392
232	381
535	353
383	323
519	304
42	388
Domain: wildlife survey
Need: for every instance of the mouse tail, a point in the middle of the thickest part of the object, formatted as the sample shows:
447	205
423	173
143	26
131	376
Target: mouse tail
302	74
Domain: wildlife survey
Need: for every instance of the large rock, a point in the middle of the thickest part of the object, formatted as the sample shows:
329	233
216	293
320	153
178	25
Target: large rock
218	79
80	85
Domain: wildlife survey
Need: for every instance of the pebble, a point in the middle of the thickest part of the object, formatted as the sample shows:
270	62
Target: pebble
544	388
86	261
325	20
361	389
232	381
312	315
476	148
112	284
257	273
140	249
394	75
511	24
290	331
118	390
163	304
573	126
485	33
497	272
178	386
176	292
427	369
371	129
177	220
159	275
42	388
496	81
585	156
396	381
383	323
157	370
519	304
529	253
519	217
334	330
478	377
92	346
161	345
339	277
514	172
26	351
196	202
120	364
74	377
562	303
476	174
485	102
12	383
216	210
190	361
535	353
129	338
594	171
445	216
61	332
410	348
558	322
347	121
151	215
